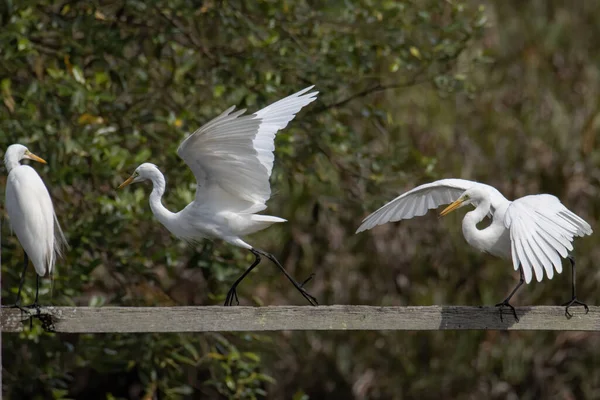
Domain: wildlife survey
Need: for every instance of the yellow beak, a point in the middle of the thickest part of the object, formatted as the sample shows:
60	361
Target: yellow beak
36	158
451	207
127	182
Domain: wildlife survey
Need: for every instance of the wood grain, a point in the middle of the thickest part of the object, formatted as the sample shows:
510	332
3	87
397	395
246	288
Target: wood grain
278	318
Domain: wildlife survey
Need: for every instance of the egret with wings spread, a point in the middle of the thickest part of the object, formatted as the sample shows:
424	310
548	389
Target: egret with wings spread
232	159
534	231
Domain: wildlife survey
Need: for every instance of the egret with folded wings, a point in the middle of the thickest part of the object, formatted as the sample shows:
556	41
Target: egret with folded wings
232	159
32	217
534	231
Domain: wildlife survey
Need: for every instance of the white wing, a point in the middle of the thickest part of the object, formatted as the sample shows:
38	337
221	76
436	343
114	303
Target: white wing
232	155
32	218
541	230
419	200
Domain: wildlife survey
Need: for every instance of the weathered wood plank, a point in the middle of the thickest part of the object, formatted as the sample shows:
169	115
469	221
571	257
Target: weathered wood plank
277	318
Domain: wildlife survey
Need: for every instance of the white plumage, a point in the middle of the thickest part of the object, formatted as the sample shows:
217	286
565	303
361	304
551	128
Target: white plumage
232	158
533	231
31	212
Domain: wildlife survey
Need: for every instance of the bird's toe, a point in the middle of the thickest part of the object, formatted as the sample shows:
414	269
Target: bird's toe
507	304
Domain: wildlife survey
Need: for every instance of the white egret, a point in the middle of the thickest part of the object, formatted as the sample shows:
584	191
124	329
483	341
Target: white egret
534	231
31	215
232	158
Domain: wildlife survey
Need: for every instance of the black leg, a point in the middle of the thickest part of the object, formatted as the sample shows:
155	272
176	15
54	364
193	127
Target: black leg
37	289
505	302
573	300
17	303
37	292
313	301
233	290
25	264
35	304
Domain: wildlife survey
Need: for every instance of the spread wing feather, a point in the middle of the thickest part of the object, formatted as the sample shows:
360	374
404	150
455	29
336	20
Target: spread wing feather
542	230
418	201
231	156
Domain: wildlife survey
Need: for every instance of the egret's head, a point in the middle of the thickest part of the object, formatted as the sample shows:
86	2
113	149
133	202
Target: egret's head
18	152
142	173
470	196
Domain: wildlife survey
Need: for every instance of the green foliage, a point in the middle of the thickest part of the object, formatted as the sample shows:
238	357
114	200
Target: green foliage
239	374
411	91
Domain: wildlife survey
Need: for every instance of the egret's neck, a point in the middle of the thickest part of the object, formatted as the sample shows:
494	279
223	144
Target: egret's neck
479	213
11	161
469	224
160	212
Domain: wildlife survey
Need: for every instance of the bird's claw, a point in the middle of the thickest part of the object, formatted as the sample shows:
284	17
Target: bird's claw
25	309
35	306
311	299
45	319
16	305
231	295
572	302
505	303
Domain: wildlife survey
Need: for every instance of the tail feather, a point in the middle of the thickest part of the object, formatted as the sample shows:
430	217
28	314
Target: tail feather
255	223
267	218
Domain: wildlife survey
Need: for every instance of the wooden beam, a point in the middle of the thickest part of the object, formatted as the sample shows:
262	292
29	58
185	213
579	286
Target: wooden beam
278	318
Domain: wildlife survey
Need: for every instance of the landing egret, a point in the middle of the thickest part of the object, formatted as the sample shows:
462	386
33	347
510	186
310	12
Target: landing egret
533	231
232	158
32	216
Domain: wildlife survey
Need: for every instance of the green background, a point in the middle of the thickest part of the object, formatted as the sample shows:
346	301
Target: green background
410	91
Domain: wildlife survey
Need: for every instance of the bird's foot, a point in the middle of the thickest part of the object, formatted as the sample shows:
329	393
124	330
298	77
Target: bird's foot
505	303
35	306
231	295
15	305
311	299
574	302
45	319
24	309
